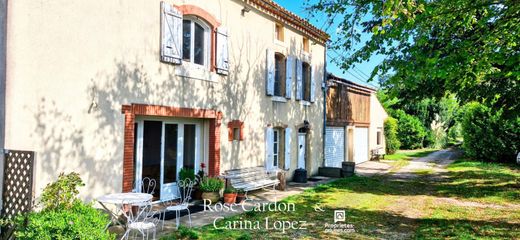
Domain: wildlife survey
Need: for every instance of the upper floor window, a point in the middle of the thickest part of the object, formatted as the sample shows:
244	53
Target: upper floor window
279	75
279	32
306	47
195	42
306	81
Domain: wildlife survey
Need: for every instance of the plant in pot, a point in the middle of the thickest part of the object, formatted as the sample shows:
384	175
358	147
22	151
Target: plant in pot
197	193
230	195
210	188
187	173
241	195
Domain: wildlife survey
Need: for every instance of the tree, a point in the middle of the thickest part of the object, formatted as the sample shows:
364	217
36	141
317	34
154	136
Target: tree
410	131
466	47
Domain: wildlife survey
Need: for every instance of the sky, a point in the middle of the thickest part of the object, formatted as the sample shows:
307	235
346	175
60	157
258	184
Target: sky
360	72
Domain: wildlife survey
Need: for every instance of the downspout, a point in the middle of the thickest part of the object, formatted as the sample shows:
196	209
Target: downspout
324	89
3	76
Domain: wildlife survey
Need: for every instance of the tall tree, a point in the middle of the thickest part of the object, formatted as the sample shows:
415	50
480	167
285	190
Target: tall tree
432	47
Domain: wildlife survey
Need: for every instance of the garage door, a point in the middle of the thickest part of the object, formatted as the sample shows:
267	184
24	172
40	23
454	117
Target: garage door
360	144
334	146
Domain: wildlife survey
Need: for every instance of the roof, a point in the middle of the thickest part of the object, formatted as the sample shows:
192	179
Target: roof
332	77
289	18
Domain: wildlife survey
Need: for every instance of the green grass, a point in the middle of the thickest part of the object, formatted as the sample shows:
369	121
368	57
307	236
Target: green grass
409	154
384	207
402	158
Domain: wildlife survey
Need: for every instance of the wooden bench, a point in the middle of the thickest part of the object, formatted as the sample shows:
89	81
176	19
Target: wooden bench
252	178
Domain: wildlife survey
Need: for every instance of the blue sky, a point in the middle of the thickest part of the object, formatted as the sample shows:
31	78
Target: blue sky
360	71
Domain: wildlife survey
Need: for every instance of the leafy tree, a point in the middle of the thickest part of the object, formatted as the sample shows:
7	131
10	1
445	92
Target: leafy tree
411	132
467	47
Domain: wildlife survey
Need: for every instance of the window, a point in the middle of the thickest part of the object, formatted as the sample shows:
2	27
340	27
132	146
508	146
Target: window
279	75
236	134
378	136
276	147
279	32
236	130
306	81
195	42
306	44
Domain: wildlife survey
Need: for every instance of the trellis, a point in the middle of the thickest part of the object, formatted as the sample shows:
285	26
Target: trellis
18	183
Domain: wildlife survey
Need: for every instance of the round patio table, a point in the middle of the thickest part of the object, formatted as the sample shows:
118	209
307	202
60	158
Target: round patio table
120	199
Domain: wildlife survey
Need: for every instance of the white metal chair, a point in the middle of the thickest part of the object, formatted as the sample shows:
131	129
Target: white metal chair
140	219
145	185
184	188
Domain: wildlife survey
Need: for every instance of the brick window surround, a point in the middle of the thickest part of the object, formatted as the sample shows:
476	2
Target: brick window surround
235	124
211	20
133	110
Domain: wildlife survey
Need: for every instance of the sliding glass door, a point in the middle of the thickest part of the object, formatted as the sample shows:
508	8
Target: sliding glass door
162	149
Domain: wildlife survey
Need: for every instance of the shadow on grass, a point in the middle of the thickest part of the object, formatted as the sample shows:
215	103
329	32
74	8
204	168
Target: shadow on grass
479	183
366	223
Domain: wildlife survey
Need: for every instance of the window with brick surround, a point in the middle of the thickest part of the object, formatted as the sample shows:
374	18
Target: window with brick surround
236	130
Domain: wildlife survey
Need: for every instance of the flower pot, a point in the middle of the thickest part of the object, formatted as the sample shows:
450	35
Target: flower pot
197	194
212	196
240	198
230	198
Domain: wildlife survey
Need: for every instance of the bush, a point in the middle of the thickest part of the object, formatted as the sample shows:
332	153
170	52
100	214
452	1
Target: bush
211	185
80	221
490	135
63	215
392	142
187	173
411	132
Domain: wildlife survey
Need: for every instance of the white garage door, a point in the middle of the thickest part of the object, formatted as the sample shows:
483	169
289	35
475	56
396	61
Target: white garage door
334	146
360	144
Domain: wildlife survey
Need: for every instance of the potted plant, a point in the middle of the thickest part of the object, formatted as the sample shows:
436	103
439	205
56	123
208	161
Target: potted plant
241	195
230	195
210	188
186	173
197	193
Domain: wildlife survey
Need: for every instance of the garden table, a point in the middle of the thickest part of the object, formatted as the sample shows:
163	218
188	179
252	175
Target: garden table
120	199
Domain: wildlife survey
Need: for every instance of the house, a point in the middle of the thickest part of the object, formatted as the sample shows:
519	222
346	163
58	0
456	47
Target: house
354	122
122	90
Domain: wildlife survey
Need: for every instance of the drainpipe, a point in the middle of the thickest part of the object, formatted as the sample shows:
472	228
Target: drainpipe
324	89
3	43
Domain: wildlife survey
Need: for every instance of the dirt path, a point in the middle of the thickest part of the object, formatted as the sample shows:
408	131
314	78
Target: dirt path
430	165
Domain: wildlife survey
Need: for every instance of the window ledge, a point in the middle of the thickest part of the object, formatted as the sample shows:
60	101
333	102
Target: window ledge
278	99
305	103
189	70
280	43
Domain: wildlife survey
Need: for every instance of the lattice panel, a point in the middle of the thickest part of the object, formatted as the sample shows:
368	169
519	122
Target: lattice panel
18	182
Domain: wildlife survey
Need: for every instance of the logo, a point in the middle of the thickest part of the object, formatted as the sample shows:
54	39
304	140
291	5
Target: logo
339	216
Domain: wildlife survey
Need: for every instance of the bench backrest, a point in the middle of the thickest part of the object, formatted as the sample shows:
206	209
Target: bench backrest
246	175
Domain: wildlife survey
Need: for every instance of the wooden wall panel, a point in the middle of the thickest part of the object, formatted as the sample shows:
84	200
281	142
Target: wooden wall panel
346	105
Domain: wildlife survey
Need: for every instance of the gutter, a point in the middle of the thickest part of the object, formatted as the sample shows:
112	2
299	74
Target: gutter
3	80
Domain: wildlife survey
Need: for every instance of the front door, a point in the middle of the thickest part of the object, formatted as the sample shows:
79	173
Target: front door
301	150
162	149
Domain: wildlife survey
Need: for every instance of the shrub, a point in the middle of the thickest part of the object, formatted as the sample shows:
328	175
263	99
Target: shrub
80	221
392	142
187	173
411	132
490	135
211	185
63	215
62	193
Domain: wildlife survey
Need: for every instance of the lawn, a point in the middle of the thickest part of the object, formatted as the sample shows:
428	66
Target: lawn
474	201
